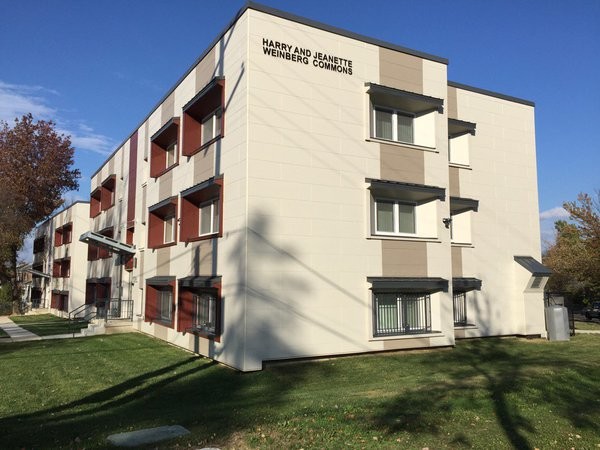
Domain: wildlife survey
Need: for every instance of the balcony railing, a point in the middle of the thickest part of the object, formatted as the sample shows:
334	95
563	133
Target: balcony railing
399	314
114	309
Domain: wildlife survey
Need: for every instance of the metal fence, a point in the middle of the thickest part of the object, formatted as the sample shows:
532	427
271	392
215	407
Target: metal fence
114	309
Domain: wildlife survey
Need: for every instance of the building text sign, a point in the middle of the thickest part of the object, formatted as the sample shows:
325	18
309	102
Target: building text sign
303	55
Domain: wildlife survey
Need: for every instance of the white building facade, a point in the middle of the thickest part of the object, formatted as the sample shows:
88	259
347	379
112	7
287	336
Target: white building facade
304	191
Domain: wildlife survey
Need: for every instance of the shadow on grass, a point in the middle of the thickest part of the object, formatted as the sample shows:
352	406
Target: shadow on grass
496	374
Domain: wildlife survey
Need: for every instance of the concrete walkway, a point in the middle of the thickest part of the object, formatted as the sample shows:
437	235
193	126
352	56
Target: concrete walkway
16	333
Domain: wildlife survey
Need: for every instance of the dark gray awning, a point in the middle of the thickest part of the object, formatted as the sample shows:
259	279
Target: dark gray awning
412	285
459	205
201	186
99	240
172	122
160	280
459	127
404	100
199	281
213	83
166	202
418	193
466	284
536	268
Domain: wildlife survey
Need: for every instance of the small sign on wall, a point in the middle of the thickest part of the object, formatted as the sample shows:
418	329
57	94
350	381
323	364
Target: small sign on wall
306	56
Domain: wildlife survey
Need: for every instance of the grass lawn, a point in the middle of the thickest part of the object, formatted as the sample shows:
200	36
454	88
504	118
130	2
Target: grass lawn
47	324
493	393
591	325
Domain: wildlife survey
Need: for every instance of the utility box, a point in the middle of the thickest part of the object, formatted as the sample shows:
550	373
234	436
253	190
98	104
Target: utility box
557	323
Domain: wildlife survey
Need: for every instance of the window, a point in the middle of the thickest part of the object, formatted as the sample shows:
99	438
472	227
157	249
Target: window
460	213
403	116
60	300
458	141
393	125
209	218
203	117
211	126
404	209
459	301
97	291
169	226
67	233
58	238
107	193
397	313
39	244
205	312
164	148
165	301
162	218
201	210
393	217
65	268
95	202
159	306
199	309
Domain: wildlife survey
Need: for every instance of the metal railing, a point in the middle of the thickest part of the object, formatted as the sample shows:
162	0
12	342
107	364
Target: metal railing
459	301
397	314
107	309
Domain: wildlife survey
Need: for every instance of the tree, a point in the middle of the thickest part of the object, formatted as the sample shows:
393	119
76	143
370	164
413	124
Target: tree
35	171
575	256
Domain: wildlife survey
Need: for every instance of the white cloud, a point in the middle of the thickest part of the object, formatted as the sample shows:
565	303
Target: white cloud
554	214
18	99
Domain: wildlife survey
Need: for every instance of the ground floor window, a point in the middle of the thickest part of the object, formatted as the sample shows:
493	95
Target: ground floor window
199	309
398	313
205	313
459	301
160	305
165	298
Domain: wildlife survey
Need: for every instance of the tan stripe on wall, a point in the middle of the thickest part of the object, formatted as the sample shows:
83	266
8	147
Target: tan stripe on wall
165	185
204	164
403	258
402	164
167	109
452	106
163	261
454	182
202	258
457	266
205	70
400	71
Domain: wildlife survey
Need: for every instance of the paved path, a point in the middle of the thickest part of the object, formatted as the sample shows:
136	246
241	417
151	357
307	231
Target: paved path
15	332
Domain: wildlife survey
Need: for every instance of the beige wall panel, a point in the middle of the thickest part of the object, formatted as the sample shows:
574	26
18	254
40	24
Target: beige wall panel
452	105
454	182
205	70
404	344
403	258
202	254
167	109
204	164
457	264
402	164
165	186
163	261
400	70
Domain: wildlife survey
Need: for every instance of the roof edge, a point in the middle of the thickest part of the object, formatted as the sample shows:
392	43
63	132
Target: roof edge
491	93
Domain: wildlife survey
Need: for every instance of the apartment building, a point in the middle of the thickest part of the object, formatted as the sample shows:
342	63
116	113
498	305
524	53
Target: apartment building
58	281
305	191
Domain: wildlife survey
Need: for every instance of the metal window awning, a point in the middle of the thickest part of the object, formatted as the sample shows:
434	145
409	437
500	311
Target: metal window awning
461	284
417	285
459	127
418	193
37	273
99	240
403	100
200	281
460	205
536	268
164	280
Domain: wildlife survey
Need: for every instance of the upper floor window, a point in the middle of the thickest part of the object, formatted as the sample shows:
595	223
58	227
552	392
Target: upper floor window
404	209
67	233
107	196
164	148
460	213
95	202
201	208
203	119
162	228
402	116
459	133
39	244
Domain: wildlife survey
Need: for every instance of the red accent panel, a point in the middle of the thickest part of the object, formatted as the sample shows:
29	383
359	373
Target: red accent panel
95	204
58	237
56	269
129	240
67	232
131	191
190	220
185	313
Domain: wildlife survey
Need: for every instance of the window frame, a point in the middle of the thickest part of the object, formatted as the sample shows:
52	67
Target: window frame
403	309
166	137
187	320
192	200
153	311
395	113
396	217
157	216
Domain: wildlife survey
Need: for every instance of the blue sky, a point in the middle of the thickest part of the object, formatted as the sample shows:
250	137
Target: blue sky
98	67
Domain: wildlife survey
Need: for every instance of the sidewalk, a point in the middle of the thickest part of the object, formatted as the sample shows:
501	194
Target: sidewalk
16	333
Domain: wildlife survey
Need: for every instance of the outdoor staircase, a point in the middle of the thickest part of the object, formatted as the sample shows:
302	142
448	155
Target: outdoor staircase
98	327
